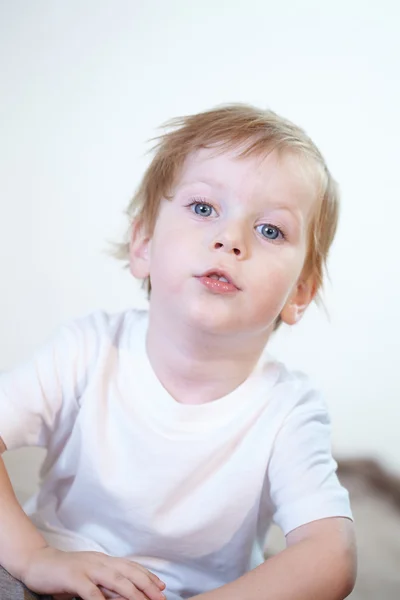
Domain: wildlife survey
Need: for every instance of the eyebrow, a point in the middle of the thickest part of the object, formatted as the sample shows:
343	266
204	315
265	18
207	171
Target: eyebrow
293	212
205	181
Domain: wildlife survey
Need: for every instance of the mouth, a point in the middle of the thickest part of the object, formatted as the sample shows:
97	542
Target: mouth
217	275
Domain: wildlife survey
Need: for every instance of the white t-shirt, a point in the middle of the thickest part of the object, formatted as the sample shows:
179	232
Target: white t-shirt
189	491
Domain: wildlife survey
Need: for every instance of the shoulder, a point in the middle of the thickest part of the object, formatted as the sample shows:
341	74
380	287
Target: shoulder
303	485
100	328
293	392
89	348
86	344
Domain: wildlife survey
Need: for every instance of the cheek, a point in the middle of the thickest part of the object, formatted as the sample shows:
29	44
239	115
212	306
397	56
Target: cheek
271	296
174	239
277	276
169	255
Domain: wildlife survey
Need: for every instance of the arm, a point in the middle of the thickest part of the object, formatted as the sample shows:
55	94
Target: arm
319	563
18	536
25	554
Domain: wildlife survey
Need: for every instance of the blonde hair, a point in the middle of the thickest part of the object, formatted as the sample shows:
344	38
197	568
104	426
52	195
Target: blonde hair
227	127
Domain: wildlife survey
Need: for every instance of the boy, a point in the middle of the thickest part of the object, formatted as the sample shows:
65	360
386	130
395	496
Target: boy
173	439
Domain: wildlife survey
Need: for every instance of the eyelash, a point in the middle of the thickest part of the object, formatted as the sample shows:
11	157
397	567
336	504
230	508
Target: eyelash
205	203
281	234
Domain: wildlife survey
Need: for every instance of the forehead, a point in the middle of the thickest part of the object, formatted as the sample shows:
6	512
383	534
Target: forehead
276	177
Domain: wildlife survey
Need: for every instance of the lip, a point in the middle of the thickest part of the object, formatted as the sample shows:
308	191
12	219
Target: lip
220	273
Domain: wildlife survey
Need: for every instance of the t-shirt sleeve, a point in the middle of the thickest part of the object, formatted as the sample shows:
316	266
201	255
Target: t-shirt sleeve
302	472
42	392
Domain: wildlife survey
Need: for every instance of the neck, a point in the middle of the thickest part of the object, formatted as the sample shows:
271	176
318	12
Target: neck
196	367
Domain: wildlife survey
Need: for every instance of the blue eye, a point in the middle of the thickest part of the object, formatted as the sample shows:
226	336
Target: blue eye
270	232
202	208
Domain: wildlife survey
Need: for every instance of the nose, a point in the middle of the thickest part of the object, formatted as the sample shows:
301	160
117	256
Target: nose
231	241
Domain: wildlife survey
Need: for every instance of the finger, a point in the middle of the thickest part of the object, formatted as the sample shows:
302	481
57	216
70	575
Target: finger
150	574
112	595
144	582
156	580
117	582
87	590
161	584
109	594
135	573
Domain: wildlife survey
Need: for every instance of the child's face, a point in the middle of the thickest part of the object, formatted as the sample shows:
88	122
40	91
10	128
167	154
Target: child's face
246	219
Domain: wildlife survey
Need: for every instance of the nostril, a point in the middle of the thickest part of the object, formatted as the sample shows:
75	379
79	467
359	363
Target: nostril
228	248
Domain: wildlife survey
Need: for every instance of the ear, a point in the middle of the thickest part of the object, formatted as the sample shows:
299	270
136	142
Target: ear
139	251
302	295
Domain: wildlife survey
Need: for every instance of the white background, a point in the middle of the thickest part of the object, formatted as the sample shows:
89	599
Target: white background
84	84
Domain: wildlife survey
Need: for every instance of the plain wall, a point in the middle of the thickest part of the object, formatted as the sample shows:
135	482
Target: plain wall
85	84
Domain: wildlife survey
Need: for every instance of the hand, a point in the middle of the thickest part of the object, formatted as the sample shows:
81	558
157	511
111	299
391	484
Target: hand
89	575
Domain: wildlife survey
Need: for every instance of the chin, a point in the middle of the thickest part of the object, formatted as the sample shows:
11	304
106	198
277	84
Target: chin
213	320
